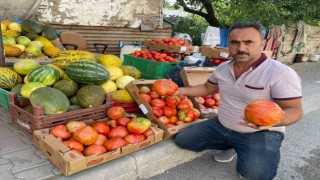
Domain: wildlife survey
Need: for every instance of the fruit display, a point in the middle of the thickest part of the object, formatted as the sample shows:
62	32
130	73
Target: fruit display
263	113
171	41
30	39
170	109
103	135
160	56
209	101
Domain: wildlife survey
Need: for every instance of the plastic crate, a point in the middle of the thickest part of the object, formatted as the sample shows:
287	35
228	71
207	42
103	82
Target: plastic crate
174	74
4	99
149	69
38	120
131	108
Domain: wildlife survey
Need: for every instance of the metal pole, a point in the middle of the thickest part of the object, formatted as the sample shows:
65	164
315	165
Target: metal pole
2	56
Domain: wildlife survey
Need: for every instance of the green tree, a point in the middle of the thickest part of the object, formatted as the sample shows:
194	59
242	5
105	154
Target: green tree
222	13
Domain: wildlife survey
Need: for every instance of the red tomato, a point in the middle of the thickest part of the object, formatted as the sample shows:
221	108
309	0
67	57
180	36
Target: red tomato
172	100
101	126
60	131
115	112
146	97
185	104
94	150
73	144
163	119
148	132
134	138
173	119
158	102
118	131
123	121
169	111
199	100
154	94
165	87
157	111
209	102
115	143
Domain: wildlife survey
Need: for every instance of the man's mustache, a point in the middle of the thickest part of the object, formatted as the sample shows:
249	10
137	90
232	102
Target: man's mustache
241	52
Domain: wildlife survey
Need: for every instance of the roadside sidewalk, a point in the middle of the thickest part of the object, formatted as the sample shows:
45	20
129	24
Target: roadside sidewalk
20	159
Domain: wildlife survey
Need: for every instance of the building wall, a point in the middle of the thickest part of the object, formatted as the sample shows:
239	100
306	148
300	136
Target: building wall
110	13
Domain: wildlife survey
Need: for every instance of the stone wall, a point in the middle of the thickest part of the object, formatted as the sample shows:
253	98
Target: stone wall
109	13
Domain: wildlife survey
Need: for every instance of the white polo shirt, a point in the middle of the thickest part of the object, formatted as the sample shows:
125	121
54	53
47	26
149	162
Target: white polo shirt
266	79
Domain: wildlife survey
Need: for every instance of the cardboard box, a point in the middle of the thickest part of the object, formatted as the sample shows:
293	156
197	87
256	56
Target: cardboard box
218	52
133	88
70	162
179	49
192	76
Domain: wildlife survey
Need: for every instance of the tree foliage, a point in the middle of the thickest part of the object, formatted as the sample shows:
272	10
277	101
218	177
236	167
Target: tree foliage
222	13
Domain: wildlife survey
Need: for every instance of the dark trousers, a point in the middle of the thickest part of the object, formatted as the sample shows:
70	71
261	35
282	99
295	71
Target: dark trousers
258	153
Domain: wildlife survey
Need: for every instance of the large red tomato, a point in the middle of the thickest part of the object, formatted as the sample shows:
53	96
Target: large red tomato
263	113
101	139
60	131
114	143
138	125
165	87
185	104
118	131
102	127
94	150
115	112
169	111
134	138
158	103
73	126
73	144
86	135
157	111
173	100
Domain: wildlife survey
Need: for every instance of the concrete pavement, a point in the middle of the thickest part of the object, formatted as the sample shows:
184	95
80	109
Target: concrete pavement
20	159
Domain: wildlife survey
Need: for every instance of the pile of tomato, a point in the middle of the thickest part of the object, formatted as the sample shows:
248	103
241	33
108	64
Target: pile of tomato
103	136
155	55
209	101
171	41
170	109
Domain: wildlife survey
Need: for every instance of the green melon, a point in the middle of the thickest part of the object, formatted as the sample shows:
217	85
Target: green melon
68	87
27	89
73	100
90	96
25	66
31	26
16	89
87	72
52	100
74	107
46	75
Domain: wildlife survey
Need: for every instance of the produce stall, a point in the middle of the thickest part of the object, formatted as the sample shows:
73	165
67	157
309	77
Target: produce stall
85	109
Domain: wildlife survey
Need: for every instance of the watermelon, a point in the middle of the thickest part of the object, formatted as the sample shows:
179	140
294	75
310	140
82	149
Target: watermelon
46	75
87	72
52	100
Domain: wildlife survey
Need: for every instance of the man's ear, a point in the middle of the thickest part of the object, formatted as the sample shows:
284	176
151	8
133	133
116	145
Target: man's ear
263	43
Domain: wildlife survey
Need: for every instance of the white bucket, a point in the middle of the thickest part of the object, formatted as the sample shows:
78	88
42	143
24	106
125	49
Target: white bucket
314	57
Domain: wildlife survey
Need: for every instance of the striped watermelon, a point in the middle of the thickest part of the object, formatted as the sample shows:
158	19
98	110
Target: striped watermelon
46	75
8	78
87	72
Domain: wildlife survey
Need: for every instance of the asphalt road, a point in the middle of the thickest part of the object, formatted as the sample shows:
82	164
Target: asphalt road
300	151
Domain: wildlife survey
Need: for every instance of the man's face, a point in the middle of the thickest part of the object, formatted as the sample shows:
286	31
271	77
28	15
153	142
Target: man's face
245	44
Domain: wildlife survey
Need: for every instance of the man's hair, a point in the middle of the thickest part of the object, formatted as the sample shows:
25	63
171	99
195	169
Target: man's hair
259	27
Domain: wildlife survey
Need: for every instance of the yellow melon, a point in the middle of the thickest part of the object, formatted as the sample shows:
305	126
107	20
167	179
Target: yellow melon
109	86
108	60
115	72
